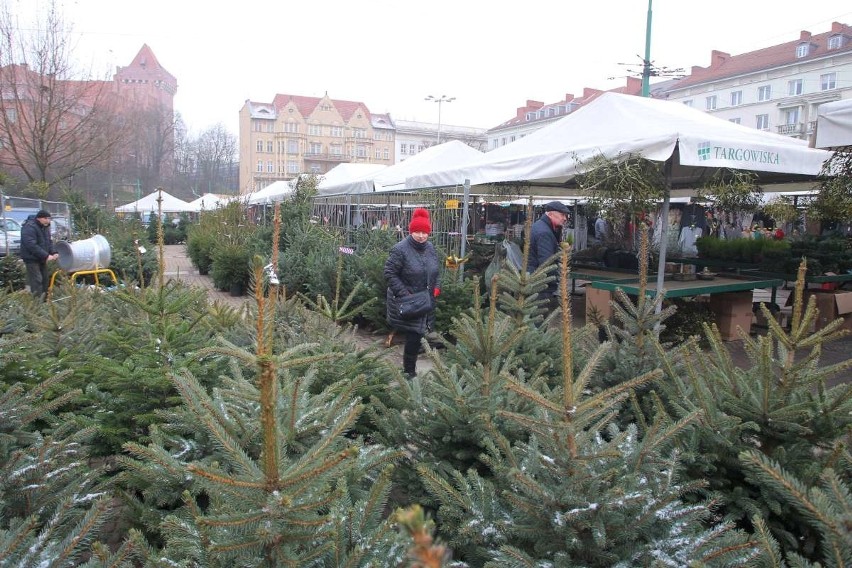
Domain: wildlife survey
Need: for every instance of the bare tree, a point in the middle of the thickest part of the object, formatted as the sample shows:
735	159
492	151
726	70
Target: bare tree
53	123
216	151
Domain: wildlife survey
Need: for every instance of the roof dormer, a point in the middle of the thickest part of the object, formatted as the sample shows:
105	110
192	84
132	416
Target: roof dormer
835	41
804	49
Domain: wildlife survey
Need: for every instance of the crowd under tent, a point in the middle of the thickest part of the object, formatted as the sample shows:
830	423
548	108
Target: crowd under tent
689	145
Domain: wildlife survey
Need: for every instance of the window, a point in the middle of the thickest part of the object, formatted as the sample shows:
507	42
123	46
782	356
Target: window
292	167
336	149
260	165
359	133
734	120
281	146
292	146
315	148
762	122
420	148
378	153
530	116
12	115
764	93
828	81
403	150
337	131
269	167
687	103
315	169
260	145
386	154
794	87
803	49
791	116
361	151
270	126
315	130
292	127
269	146
511	138
710	103
257	125
835	42
377	135
736	98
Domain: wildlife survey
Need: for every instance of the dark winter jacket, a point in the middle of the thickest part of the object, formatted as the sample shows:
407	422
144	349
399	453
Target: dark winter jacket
36	243
411	266
544	243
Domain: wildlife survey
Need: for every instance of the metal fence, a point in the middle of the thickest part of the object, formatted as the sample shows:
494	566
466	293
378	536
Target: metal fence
19	208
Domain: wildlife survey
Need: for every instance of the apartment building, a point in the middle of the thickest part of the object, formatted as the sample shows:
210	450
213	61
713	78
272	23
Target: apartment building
295	134
413	137
535	114
778	88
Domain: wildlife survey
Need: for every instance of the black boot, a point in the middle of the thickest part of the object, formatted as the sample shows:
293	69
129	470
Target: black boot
409	365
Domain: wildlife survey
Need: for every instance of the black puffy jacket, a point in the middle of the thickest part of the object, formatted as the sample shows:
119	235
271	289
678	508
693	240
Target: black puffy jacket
36	243
411	266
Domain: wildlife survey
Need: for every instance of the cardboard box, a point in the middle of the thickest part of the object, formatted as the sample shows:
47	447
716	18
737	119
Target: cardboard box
598	302
728	325
732	309
831	305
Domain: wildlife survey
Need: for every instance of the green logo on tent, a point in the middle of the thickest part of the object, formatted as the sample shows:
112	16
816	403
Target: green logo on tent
707	151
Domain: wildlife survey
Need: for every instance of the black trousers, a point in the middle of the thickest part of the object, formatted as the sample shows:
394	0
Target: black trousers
37	278
410	352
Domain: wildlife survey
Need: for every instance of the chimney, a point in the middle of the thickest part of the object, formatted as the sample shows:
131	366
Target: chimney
837	27
805	35
718	57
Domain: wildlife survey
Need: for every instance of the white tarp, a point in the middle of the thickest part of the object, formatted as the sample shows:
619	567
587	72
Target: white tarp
276	191
617	125
210	201
170	204
834	124
344	172
442	156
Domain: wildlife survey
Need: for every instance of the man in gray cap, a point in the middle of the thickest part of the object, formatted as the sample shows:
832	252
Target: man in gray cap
36	249
545	236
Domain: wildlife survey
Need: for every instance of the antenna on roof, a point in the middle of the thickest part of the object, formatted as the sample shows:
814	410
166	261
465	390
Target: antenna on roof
653	70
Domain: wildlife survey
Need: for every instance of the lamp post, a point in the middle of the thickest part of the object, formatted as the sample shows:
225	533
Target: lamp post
440	100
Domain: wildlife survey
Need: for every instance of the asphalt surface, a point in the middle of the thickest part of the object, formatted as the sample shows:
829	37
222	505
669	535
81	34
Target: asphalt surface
179	266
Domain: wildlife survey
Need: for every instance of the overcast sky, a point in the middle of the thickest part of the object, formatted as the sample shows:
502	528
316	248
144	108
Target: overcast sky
390	54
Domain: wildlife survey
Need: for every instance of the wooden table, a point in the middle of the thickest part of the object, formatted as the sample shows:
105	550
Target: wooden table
730	296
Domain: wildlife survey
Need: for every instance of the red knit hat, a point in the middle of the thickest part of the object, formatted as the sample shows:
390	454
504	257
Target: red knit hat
420	222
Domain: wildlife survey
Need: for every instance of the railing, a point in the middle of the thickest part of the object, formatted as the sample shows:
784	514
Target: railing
325	156
795	128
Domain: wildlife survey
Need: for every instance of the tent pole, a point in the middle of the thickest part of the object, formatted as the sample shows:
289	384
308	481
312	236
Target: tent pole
664	239
465	219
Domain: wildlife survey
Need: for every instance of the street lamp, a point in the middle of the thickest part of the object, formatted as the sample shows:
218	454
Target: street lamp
439	100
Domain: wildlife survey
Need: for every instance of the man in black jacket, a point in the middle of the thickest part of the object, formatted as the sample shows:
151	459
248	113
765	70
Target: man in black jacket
545	236
36	250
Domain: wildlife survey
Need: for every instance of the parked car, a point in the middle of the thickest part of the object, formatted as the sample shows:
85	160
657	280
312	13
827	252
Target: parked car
10	236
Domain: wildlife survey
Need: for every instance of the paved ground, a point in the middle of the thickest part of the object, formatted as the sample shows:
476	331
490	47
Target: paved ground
179	266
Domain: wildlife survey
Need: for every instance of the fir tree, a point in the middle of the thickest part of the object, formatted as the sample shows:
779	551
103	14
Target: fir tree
777	411
267	474
52	502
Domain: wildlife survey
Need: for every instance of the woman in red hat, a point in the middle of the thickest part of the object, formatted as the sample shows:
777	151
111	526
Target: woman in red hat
412	266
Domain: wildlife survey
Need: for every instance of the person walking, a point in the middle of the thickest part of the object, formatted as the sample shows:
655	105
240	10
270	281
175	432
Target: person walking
36	250
412	266
545	236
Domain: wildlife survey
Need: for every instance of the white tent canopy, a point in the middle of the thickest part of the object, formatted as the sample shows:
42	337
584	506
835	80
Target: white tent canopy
616	125
170	204
342	173
834	124
276	191
210	201
447	155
